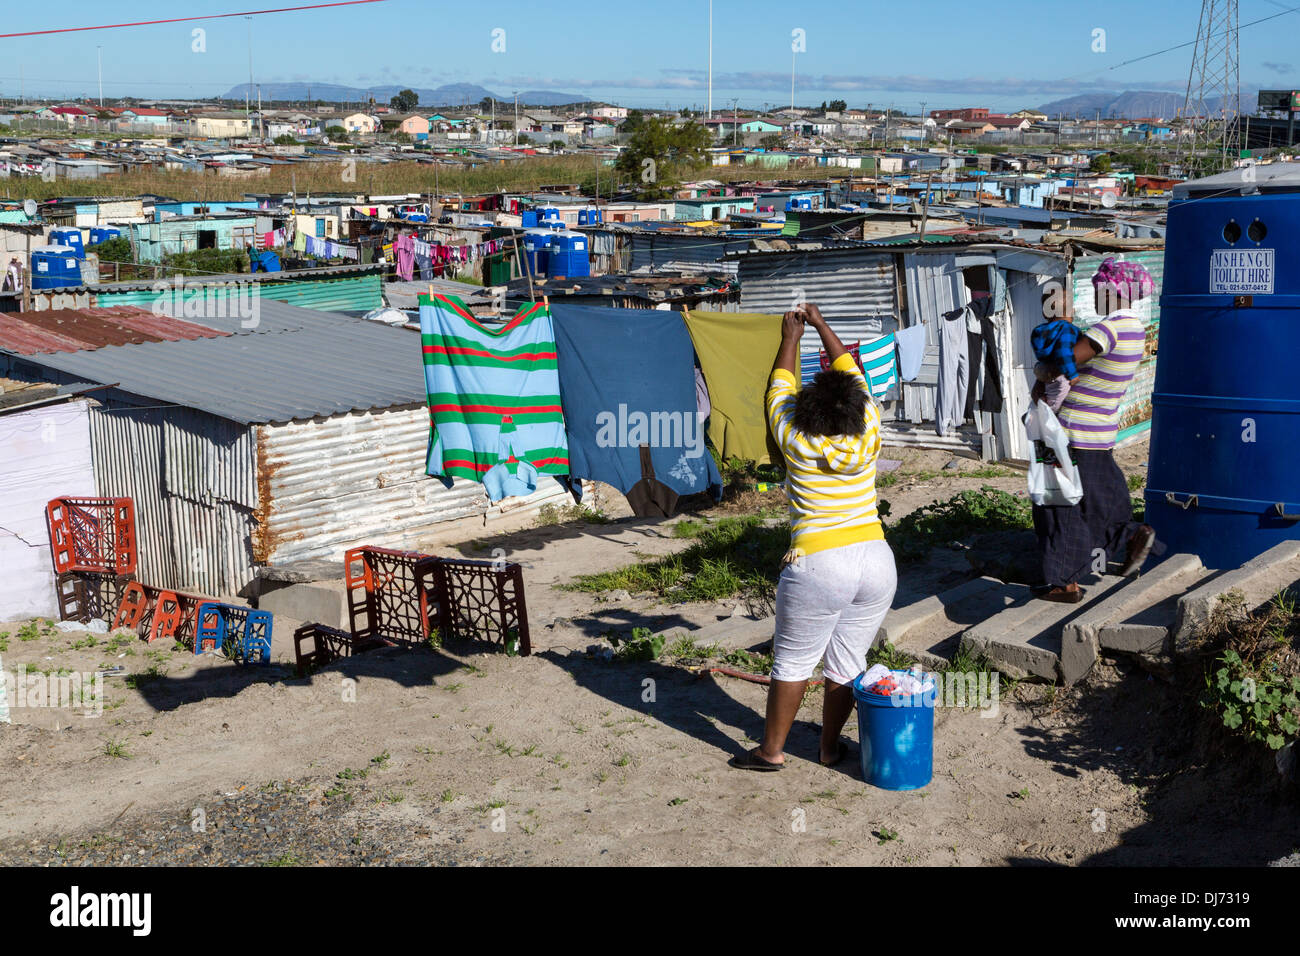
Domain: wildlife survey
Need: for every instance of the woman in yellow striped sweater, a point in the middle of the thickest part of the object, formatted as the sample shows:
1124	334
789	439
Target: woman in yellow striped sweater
838	578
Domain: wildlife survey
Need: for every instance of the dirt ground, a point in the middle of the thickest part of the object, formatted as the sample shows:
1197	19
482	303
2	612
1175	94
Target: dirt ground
463	757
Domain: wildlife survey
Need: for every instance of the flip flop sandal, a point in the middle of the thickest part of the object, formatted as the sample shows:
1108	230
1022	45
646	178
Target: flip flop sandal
840	754
750	760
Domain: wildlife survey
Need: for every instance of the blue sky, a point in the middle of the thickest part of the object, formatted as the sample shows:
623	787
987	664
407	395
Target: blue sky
1006	54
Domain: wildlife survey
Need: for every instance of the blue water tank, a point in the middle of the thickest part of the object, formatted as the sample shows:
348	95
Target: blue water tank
268	261
1224	473
537	244
100	234
55	267
568	256
68	237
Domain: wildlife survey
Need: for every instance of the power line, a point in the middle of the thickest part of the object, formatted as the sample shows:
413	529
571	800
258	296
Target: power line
210	16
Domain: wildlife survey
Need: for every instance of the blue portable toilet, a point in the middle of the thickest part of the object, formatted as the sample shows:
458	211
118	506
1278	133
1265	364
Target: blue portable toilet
55	267
100	234
70	238
582	218
549	214
595	217
568	256
1225	428
537	244
528	219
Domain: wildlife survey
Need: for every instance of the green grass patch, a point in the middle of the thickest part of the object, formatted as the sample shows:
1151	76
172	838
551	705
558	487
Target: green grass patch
965	513
730	557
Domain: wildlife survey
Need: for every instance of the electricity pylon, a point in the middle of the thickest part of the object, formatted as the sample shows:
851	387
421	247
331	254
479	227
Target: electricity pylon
1209	140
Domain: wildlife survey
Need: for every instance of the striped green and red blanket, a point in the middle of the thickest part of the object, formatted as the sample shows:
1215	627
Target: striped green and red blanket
479	375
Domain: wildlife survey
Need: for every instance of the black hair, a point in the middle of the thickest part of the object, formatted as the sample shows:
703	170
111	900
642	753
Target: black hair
833	403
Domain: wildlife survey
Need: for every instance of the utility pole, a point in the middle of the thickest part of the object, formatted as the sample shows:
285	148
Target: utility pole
516	117
735	121
793	54
99	55
710	113
923	124
248	90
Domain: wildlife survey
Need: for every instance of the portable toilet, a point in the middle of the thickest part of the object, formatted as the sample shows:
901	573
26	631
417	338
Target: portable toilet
582	218
549	214
529	219
100	234
594	217
537	244
55	267
1222	477
568	256
69	237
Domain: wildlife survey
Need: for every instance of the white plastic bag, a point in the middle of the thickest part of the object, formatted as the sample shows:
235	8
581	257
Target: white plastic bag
1051	483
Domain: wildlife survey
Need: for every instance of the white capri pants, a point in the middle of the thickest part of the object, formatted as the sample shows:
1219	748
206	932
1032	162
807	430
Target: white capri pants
830	604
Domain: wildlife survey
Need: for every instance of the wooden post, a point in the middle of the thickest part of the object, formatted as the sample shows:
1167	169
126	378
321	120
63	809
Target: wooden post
528	270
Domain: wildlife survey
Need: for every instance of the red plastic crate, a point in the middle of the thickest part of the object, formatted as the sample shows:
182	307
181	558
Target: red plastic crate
92	534
385	600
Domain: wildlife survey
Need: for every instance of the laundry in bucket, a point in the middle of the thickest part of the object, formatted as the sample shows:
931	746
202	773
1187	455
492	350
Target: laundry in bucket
881	680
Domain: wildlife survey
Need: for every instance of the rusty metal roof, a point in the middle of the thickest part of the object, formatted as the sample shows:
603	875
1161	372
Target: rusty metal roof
77	330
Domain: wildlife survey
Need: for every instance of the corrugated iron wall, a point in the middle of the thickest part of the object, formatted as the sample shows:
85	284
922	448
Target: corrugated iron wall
192	477
333	483
854	289
681	253
354	294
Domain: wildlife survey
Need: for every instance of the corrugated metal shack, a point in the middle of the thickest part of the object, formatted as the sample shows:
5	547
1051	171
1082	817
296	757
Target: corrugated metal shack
292	440
871	288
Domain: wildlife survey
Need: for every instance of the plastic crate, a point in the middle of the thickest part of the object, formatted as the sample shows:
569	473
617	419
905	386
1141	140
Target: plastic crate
92	534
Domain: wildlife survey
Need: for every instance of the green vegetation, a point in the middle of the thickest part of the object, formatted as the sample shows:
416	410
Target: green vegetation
1253	681
730	557
208	261
966	513
659	153
551	515
641	646
749	661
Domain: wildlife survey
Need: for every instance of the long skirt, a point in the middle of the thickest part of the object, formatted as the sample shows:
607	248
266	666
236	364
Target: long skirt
1077	540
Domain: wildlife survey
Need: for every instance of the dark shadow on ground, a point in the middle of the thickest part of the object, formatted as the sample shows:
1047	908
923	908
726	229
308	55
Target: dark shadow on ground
517	544
413	667
692	704
1209	799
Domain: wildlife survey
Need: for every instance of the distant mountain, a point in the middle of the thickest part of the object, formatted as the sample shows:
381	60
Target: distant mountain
451	94
1132	103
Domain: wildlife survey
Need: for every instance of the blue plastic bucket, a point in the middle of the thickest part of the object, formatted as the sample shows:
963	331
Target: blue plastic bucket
896	735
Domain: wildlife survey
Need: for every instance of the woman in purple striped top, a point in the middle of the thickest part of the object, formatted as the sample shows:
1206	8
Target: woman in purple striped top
1076	539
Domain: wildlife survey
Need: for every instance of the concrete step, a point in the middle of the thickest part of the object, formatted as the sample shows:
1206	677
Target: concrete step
1134	619
1024	641
1257	581
929	629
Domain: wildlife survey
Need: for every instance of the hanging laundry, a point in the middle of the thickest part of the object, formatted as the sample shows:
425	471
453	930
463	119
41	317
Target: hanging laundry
736	351
509	476
482	377
627	382
954	374
300	242
404	247
877	364
350	252
425	265
982	343
911	351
